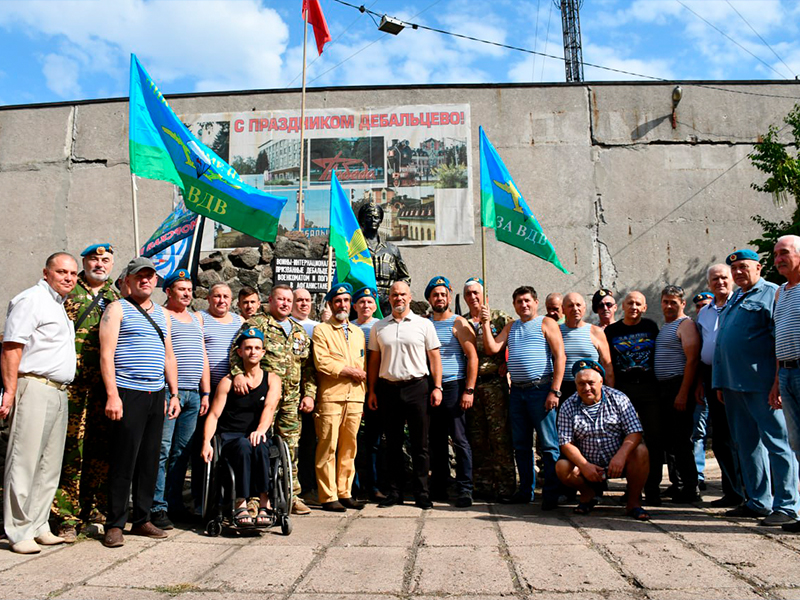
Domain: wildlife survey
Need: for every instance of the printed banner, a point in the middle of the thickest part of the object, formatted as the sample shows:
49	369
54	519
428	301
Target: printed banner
411	160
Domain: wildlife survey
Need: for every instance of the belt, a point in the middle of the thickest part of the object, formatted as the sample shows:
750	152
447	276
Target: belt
44	380
532	383
403	381
789	364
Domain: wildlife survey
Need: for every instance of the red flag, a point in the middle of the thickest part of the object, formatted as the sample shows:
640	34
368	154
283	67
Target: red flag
317	20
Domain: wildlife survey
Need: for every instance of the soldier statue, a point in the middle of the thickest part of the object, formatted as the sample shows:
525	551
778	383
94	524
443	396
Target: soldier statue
389	265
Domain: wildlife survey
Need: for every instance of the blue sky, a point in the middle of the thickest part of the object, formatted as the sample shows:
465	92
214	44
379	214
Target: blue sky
56	50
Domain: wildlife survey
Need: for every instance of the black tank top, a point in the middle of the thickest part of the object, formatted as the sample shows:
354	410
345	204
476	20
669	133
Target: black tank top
243	413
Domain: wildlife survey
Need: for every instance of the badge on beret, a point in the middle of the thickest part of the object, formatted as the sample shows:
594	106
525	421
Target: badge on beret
341	290
367	292
182	274
601	293
100	251
733	257
440	281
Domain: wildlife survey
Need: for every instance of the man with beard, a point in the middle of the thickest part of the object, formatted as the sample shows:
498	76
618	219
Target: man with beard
401	346
339	356
459	373
81	494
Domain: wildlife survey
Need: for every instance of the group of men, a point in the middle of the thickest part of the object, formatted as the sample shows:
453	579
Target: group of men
107	394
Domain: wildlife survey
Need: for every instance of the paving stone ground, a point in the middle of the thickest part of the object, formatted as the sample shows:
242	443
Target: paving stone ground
487	552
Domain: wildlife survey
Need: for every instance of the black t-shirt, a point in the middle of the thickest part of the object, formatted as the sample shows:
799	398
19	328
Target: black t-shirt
242	414
633	349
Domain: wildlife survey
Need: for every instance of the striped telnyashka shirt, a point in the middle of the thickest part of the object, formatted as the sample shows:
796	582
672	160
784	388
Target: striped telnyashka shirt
787	323
219	339
139	358
670	360
187	343
454	364
529	356
578	345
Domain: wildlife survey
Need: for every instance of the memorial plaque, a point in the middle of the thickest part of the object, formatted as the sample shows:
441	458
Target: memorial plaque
309	273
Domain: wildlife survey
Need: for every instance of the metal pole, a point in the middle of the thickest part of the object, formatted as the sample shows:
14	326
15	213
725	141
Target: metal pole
483	260
330	266
135	217
197	228
300	200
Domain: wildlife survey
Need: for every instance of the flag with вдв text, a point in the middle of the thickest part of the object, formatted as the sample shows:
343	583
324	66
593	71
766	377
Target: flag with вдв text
161	147
353	260
504	209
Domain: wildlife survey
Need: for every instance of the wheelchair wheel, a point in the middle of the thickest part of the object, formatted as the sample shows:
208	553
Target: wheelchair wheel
213	528
286	525
283	481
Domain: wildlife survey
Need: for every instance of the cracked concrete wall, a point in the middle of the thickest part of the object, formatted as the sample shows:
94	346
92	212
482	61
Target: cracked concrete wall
628	200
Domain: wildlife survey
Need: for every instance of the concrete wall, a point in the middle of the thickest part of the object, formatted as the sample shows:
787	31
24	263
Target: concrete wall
628	201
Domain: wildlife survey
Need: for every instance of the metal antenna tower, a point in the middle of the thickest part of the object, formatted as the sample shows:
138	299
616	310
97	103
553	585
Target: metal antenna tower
571	25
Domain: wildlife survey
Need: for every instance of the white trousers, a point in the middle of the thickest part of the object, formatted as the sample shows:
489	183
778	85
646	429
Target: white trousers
33	460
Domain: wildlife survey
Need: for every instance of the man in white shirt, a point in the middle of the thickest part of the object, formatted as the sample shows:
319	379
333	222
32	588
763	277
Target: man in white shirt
38	364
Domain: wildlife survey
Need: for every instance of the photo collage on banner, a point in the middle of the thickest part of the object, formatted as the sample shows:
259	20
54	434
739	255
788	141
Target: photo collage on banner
411	160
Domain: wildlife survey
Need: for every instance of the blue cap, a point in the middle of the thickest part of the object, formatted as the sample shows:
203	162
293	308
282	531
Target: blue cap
581	365
98	249
745	254
251	333
702	296
436	282
365	292
338	290
472	280
177	275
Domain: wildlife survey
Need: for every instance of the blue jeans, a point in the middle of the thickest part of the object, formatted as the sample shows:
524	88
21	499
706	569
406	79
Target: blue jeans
769	468
175	449
527	412
699	438
789	380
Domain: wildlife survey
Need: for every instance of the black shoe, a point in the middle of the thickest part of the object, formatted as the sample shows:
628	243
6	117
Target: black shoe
549	504
685	497
334	506
440	496
744	511
464	501
791	527
670	491
726	502
652	500
516	498
350	503
390	500
160	519
702	485
424	502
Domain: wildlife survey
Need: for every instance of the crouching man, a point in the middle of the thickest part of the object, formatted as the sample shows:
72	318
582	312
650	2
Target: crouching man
600	438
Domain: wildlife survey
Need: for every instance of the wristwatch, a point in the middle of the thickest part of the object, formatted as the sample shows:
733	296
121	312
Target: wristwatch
557	393
469	391
438	387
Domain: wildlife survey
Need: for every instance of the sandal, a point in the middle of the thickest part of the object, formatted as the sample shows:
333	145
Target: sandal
242	518
263	518
584	508
638	513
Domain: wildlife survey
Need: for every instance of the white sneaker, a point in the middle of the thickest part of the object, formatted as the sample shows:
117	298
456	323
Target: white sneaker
49	539
26	547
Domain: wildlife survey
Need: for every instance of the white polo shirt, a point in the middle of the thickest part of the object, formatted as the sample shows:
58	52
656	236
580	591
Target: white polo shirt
37	319
403	345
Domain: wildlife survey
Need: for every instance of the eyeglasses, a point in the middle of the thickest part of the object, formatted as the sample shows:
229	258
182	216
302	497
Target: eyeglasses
607	305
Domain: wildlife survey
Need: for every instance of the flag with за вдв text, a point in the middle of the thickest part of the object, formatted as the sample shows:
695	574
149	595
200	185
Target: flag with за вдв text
504	209
161	147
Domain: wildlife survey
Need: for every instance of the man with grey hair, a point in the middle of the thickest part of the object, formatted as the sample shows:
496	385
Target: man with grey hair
786	389
38	363
720	282
744	375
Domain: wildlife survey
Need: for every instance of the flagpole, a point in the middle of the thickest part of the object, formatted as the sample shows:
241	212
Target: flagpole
135	216
198	227
483	261
330	266
300	200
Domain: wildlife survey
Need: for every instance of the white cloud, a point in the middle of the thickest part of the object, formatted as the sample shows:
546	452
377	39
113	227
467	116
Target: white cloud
221	45
61	75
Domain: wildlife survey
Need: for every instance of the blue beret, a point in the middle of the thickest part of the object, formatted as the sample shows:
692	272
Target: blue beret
702	296
252	333
580	365
365	292
472	280
338	290
436	282
98	249
177	275
746	254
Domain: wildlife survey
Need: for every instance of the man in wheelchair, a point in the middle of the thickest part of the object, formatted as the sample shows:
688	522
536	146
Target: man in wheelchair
242	422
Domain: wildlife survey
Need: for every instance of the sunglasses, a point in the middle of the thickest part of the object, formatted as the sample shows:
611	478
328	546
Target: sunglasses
607	305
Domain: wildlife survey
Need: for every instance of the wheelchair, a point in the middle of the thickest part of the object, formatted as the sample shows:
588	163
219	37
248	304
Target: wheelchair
219	489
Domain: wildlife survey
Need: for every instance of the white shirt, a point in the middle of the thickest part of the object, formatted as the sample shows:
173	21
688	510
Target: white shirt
403	345
37	319
307	324
707	324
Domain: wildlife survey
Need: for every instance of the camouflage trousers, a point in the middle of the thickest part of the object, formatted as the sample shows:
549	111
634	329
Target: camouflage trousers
84	470
489	433
288	425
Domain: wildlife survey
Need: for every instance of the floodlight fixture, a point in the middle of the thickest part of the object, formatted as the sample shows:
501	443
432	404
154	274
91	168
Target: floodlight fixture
391	25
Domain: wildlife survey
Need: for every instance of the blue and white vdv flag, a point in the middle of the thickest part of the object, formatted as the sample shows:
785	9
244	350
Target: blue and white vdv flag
169	246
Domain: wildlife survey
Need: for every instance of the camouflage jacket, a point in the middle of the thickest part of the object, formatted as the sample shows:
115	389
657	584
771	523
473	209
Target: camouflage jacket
289	357
87	336
488	365
389	266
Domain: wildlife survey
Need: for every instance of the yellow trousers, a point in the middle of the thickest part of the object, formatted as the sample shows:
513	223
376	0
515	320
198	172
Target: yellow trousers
337	426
